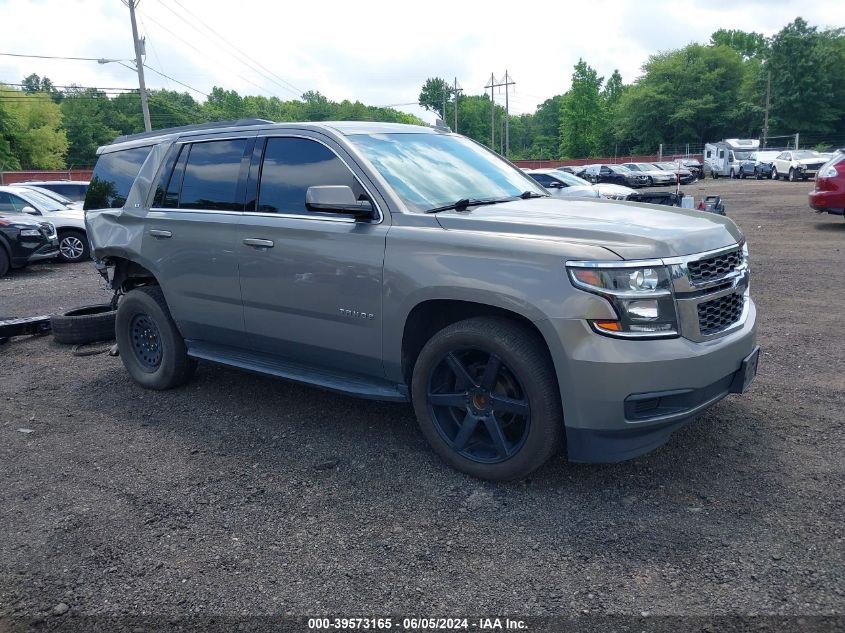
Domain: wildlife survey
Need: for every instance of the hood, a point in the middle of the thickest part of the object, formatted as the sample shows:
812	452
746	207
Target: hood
815	160
68	214
631	230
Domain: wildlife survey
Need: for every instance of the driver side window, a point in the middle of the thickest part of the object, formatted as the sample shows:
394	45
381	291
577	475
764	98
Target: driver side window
291	165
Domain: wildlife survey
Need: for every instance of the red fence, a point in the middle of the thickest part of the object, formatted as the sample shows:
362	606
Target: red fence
11	177
551	164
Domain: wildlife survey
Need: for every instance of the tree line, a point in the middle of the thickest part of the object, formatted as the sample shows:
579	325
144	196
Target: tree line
695	94
692	95
44	127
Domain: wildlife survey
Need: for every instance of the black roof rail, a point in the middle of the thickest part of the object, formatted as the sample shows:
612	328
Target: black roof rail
191	128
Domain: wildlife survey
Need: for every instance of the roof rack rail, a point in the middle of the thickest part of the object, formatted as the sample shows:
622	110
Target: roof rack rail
192	128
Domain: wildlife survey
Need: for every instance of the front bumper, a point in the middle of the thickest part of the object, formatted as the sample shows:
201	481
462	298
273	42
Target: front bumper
623	398
48	251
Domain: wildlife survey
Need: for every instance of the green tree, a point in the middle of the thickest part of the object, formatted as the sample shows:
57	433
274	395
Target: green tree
34	129
433	93
684	96
85	113
581	117
748	44
807	79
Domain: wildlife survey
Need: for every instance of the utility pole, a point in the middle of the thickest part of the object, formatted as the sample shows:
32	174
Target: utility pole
766	116
457	92
492	85
139	64
796	140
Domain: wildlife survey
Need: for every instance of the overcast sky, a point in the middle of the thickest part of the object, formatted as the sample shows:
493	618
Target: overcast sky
377	52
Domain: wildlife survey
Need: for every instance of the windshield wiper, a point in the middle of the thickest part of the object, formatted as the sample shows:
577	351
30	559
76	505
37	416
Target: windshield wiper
463	203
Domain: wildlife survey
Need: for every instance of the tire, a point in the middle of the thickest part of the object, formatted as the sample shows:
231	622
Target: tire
757	174
455	364
774	173
650	182
791	176
89	324
151	347
715	175
4	262
73	246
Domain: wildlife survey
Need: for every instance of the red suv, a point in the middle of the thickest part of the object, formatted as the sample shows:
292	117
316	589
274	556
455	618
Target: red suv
828	196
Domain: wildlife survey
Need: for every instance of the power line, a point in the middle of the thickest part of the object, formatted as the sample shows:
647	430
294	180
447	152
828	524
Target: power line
188	44
240	55
158	72
297	90
83	59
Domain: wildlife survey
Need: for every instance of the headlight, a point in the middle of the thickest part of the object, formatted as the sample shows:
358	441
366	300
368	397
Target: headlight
30	233
830	172
641	295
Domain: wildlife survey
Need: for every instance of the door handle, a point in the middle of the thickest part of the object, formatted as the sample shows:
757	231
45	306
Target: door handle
258	243
160	233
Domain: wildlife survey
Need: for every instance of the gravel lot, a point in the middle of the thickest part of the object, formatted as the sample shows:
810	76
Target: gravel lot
239	494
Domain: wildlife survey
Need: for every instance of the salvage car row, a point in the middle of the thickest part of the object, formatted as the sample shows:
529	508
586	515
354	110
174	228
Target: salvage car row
38	221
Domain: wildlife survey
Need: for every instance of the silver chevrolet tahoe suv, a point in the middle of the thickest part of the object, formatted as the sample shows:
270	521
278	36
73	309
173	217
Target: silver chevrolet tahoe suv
407	263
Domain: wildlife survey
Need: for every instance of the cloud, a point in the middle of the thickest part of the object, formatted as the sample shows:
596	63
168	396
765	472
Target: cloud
374	51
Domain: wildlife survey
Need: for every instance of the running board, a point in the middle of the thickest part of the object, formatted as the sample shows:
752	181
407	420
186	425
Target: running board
352	385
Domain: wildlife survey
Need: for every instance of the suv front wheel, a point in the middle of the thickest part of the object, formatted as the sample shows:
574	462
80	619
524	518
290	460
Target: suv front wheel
486	398
151	347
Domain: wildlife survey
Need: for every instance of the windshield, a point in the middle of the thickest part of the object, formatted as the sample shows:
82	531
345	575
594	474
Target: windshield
739	155
805	154
569	179
50	194
41	201
432	170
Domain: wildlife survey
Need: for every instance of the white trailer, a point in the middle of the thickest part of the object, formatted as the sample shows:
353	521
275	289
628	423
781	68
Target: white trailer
723	158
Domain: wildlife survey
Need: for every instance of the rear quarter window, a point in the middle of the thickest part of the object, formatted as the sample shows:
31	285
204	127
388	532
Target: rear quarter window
113	177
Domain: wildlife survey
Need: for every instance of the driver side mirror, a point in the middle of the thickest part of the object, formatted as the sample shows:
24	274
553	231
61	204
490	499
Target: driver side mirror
31	210
337	199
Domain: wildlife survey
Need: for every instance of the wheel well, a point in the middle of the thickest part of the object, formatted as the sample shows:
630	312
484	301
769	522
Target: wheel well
128	274
429	317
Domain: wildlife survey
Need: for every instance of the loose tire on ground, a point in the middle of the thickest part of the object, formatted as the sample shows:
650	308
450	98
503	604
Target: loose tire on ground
89	324
495	375
151	347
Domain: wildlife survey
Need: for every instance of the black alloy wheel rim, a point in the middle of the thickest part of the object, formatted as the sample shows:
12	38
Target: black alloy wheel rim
478	406
146	341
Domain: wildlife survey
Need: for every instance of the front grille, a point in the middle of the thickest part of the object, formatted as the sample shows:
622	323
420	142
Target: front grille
705	270
718	314
813	166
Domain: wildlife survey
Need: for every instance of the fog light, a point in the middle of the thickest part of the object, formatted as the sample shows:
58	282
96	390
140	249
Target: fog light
643	309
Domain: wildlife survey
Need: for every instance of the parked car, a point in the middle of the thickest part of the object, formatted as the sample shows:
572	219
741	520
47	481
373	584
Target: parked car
562	184
616	175
23	239
684	175
758	164
407	263
795	165
70	204
569	169
70	223
654	175
694	166
73	189
828	195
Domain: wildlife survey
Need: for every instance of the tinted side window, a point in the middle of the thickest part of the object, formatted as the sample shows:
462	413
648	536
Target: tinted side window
543	179
6	205
113	177
212	176
290	166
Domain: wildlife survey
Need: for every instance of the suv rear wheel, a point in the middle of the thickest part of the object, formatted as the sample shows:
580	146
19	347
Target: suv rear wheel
486	398
151	347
